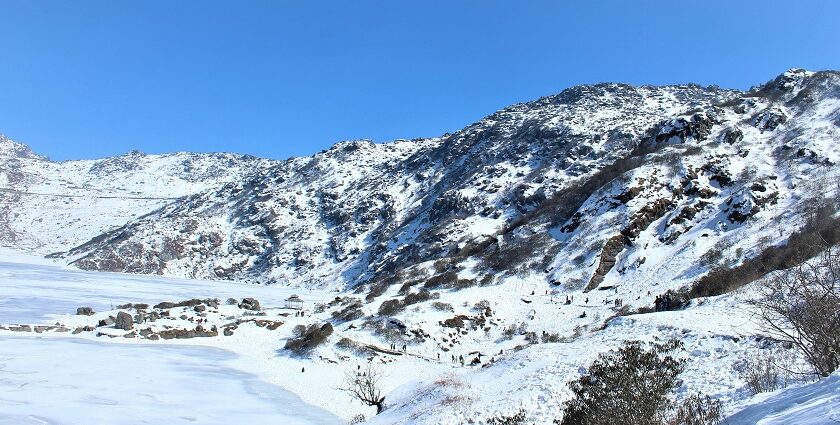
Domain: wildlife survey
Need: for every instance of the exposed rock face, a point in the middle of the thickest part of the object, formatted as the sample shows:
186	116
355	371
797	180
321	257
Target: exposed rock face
124	321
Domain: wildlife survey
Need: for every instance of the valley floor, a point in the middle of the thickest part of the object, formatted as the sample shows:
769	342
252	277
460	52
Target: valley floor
113	376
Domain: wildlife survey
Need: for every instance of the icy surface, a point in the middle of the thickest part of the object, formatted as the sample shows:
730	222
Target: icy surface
76	381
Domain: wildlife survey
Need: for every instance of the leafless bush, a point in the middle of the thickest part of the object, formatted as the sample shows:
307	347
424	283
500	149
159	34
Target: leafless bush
350	312
442	306
441	279
763	374
418	297
548	337
802	306
517	418
697	409
390	307
480	306
354	347
364	386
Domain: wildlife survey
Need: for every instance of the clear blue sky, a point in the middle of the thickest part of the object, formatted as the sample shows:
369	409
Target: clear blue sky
86	79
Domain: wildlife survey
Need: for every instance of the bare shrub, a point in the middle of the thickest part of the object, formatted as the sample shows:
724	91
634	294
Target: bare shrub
442	306
354	347
441	279
364	386
418	297
697	409
517	418
464	283
802	306
390	307
350	312
308	338
482	305
762	374
627	386
548	337
820	231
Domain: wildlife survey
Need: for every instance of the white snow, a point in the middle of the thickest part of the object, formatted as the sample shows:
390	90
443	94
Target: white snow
77	381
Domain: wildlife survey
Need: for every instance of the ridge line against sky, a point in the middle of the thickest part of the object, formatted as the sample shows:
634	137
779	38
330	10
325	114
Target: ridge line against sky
91	79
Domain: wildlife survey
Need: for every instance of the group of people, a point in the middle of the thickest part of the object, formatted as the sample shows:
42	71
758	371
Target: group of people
394	347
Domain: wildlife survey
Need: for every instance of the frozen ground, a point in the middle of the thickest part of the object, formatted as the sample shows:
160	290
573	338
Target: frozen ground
34	290
76	381
60	379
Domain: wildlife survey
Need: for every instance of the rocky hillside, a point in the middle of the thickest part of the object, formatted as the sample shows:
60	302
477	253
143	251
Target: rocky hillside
592	186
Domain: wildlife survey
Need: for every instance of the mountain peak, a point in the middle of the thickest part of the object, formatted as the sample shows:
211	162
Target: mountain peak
11	149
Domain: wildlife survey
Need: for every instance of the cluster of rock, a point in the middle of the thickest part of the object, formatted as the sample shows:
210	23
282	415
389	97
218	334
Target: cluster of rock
194	310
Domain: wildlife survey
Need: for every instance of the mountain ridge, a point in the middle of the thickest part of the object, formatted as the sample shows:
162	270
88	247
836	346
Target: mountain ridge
364	211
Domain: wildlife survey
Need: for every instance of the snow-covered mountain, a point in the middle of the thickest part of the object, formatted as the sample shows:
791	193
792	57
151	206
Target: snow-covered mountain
587	187
539	237
48	206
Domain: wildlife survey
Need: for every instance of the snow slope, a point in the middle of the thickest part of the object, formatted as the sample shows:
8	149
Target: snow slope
817	404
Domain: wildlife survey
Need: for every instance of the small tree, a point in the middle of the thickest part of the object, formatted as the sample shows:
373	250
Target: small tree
629	386
802	306
364	386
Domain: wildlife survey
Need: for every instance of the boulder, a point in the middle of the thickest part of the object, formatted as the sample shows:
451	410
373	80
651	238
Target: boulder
107	322
249	304
200	308
84	311
124	321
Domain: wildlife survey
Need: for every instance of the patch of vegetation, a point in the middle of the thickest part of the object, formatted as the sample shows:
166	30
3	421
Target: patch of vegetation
306	338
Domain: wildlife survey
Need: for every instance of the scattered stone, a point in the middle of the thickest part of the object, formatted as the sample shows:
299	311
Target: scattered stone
84	311
21	328
88	328
124	321
77	330
228	332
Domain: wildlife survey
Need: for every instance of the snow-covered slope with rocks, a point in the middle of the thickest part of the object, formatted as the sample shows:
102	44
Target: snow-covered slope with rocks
48	206
586	187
